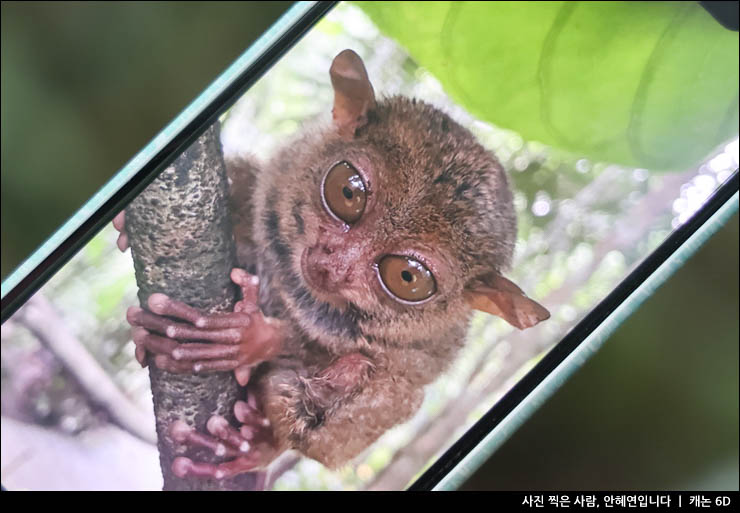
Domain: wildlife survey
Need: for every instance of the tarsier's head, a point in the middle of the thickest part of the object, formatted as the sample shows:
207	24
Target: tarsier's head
395	222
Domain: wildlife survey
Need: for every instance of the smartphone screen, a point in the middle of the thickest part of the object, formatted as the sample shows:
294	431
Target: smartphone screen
395	331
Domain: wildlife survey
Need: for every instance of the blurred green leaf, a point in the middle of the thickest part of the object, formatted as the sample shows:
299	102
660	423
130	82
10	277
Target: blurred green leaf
110	297
644	84
96	248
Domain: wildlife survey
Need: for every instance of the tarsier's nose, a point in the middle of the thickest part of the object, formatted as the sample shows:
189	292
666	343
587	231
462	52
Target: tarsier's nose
327	266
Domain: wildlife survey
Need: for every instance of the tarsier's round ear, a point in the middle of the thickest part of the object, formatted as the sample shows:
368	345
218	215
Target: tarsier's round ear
501	297
353	93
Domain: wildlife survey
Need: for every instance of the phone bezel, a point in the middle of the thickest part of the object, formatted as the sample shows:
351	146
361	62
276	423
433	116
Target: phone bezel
469	451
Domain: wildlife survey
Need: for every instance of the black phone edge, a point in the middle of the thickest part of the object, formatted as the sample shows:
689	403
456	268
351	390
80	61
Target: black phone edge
464	445
35	279
570	342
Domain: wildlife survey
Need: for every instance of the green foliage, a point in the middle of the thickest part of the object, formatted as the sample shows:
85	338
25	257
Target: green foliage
644	84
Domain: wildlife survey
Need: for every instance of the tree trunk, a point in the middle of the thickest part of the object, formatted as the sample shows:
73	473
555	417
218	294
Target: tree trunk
182	245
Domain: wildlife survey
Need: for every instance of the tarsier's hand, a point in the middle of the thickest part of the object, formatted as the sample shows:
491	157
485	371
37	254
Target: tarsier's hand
234	341
239	339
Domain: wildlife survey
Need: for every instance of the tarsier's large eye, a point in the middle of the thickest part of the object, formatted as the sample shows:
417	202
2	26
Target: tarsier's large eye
343	192
406	278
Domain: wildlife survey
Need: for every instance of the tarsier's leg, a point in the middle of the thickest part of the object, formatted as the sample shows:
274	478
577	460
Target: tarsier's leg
330	417
227	341
336	414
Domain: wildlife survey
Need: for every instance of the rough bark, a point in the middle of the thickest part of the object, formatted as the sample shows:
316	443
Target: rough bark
182	245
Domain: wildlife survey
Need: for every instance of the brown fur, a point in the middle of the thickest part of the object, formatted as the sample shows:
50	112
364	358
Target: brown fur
435	193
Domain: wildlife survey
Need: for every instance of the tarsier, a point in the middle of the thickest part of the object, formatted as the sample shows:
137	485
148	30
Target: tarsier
366	246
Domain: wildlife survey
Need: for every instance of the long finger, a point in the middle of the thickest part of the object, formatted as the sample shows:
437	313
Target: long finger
204	352
167	364
153	343
215	365
221	336
161	304
139	317
224	320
